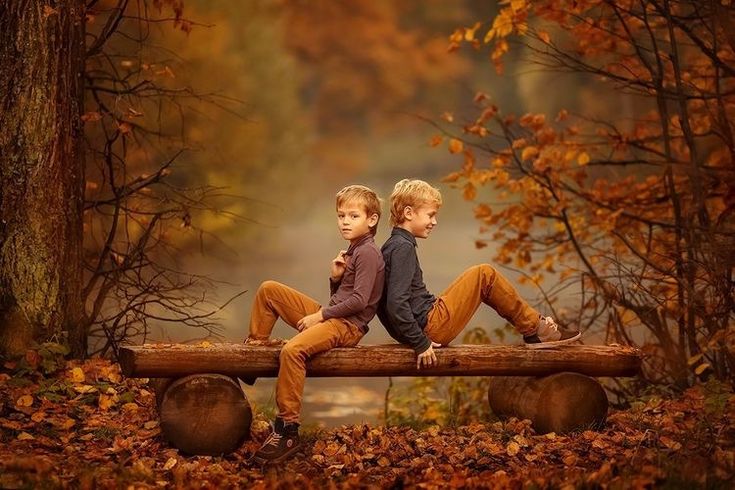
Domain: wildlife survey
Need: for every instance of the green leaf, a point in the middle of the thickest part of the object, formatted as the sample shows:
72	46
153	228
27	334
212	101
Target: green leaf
127	397
56	348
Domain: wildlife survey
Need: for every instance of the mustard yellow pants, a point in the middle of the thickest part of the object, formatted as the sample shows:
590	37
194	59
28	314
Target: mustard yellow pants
479	284
275	300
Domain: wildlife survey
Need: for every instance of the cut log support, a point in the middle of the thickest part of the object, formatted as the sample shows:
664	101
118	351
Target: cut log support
174	360
206	414
560	403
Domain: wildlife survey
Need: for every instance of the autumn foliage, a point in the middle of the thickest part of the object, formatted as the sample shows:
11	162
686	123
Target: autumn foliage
72	424
137	214
624	222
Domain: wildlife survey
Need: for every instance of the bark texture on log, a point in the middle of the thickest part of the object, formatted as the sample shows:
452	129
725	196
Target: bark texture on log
172	360
559	403
206	414
41	173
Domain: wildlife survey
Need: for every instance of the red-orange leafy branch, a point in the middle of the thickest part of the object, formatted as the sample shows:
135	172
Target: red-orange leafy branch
632	216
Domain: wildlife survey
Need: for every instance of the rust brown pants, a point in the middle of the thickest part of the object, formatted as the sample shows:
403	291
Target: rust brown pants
479	284
274	300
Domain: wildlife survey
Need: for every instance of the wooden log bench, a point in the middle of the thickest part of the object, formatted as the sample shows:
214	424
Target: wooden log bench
203	409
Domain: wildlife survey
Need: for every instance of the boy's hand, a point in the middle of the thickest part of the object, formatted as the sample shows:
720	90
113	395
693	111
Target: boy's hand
428	357
309	321
338	265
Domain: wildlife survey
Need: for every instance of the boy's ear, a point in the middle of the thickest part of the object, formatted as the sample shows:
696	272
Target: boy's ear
373	220
408	213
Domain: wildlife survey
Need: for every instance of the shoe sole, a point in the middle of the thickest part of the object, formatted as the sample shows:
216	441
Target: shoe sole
555	343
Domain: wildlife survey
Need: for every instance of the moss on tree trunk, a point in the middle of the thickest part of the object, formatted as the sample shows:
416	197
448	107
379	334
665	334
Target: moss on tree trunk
41	173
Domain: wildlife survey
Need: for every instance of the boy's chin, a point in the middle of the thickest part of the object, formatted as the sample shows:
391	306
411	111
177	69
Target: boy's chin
351	236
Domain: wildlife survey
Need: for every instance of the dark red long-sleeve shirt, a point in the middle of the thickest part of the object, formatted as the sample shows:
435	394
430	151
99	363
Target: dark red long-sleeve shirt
355	297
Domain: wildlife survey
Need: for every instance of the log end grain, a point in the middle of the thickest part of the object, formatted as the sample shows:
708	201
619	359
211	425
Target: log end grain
560	403
205	414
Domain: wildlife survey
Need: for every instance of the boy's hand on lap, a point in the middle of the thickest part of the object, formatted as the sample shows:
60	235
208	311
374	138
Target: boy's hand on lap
428	357
309	321
339	265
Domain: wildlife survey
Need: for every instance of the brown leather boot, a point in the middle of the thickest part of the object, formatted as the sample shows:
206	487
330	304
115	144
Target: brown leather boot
550	335
281	444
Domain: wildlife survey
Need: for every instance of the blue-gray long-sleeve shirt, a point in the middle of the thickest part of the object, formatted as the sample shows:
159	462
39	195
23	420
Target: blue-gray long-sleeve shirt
405	303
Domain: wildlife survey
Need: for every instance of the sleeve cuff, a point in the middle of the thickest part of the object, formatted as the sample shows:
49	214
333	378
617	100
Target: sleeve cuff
327	313
423	346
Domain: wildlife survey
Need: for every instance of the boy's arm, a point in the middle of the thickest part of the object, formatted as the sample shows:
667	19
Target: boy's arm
398	292
367	265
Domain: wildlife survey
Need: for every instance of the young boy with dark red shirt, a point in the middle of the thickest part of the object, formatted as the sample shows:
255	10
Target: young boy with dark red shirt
356	283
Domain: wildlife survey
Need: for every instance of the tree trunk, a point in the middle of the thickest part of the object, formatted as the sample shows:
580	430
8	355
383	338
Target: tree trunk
173	360
559	403
203	414
41	174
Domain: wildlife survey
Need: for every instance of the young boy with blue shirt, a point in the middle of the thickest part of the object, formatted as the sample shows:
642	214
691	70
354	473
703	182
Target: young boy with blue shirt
414	316
356	283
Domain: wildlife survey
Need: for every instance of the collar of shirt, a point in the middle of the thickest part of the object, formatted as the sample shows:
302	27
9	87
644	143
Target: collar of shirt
367	237
405	234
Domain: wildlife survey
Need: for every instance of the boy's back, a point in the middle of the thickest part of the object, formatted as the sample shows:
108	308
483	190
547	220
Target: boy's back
404	318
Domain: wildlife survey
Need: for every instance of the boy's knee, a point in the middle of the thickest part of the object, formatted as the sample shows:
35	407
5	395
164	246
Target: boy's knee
486	270
292	350
267	286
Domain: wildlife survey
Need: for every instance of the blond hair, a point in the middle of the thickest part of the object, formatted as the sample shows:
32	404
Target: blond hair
414	193
365	197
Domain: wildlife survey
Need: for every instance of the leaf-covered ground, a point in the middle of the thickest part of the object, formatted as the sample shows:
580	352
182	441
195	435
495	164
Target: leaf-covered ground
81	425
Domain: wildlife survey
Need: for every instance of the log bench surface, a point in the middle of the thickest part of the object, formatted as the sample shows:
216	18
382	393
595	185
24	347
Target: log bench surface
231	359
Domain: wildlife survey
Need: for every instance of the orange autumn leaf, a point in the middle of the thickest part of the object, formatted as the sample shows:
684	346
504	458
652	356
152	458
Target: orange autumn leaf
455	145
38	416
48	11
469	33
91	116
482	210
453	177
529	152
469	192
76	375
125	128
512	448
24	401
436	140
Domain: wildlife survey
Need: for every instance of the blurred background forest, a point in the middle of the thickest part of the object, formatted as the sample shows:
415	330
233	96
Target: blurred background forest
299	99
218	134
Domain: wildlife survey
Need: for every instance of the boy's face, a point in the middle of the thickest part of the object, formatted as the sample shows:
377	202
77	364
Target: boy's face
421	220
353	222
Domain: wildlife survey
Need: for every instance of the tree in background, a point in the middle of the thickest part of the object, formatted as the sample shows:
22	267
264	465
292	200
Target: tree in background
356	74
41	173
317	78
87	84
139	215
633	217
